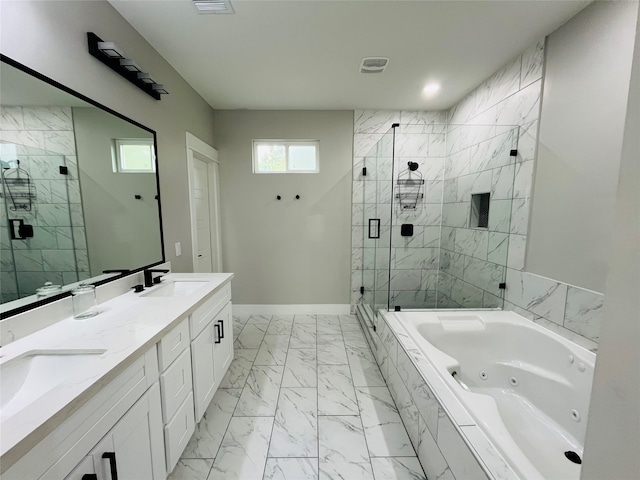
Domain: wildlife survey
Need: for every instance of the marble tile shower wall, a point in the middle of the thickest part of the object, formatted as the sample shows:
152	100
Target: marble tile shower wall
45	140
413	260
498	115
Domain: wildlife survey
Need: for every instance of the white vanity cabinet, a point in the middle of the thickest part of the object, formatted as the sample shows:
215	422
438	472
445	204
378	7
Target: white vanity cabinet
133	448
139	416
176	384
211	347
126	412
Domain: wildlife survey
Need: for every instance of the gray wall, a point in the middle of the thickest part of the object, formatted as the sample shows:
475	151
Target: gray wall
588	64
613	433
50	37
289	251
122	232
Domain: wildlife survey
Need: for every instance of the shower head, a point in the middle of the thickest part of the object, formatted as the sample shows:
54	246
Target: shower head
413	166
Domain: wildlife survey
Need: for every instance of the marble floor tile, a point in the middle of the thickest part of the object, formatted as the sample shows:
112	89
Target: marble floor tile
191	469
243	452
364	369
291	469
259	319
251	336
304	319
280	325
397	468
336	395
354	339
343	449
329	329
273	350
303	335
383	428
295	430
301	369
260	394
239	369
209	432
328	325
331	350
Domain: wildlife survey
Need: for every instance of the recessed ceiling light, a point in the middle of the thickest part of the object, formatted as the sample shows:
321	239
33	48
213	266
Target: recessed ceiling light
213	6
431	89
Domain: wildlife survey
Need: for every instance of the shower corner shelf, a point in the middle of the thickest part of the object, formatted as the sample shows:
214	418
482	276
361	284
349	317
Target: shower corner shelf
409	192
19	188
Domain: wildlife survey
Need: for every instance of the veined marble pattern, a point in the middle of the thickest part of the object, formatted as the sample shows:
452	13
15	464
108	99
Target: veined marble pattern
539	295
301	420
47	118
583	313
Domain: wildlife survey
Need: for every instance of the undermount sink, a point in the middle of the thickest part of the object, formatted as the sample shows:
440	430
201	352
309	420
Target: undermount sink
29	376
176	288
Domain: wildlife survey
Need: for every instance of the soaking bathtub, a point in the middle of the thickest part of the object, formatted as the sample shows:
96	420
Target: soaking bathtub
526	387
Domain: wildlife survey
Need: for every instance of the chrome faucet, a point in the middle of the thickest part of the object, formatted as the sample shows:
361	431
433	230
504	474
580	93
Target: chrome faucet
149	280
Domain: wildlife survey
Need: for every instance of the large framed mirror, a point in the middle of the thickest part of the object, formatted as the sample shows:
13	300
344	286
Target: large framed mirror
79	193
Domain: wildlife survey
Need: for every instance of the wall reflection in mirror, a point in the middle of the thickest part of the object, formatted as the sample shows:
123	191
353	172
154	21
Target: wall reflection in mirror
79	191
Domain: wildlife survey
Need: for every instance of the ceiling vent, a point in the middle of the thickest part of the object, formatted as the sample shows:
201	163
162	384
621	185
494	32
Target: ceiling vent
373	64
213	6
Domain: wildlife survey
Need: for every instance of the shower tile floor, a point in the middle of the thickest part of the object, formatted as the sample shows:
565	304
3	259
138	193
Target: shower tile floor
303	399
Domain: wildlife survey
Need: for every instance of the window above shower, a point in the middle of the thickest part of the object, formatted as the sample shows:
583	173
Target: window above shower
286	156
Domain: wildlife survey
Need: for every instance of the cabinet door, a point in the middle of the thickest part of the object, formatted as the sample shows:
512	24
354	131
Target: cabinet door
134	448
84	471
223	346
205	381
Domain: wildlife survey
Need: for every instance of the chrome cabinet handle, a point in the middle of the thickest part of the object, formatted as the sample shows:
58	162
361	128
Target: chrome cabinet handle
112	464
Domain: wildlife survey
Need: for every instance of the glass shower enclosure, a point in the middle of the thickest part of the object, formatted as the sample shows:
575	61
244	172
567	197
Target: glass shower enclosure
437	216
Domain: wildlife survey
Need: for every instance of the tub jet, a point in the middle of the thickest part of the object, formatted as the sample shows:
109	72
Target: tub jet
573	456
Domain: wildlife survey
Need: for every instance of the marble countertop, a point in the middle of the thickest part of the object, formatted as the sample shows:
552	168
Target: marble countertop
125	327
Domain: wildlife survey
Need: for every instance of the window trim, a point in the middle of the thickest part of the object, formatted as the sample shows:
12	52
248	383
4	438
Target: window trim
286	144
117	158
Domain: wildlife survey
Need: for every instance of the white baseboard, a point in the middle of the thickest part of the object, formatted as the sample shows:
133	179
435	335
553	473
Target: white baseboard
323	309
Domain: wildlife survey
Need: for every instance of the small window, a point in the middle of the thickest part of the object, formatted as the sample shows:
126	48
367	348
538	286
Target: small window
283	156
134	156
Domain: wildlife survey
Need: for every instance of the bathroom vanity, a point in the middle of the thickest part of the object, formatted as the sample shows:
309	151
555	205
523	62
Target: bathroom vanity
117	395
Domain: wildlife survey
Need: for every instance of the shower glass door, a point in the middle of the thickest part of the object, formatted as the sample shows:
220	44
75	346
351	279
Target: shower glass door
37	221
377	204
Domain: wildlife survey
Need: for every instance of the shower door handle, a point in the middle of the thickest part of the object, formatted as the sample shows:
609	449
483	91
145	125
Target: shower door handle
374	228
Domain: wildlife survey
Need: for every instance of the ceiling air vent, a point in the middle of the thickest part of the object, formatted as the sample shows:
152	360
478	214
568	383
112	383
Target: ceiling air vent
213	6
373	64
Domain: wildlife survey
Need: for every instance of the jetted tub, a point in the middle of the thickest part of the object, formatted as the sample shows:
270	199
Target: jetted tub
526	387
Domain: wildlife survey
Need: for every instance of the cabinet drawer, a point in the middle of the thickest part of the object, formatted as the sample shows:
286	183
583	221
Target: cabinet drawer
178	432
205	312
172	344
175	384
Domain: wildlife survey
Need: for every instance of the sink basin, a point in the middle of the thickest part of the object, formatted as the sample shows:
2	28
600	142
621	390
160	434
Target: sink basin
177	288
25	378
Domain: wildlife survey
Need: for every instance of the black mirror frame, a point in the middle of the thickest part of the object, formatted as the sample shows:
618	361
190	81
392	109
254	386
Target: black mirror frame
50	81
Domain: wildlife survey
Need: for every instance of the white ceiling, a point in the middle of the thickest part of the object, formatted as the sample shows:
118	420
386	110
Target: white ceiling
305	54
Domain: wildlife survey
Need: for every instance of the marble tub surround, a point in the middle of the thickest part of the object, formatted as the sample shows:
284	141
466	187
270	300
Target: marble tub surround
573	312
125	328
449	443
332	415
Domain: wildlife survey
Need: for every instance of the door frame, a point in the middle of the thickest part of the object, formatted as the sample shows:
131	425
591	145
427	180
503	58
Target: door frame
210	155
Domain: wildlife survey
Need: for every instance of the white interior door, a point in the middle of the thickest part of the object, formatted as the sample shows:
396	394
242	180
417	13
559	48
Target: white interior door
204	197
200	192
